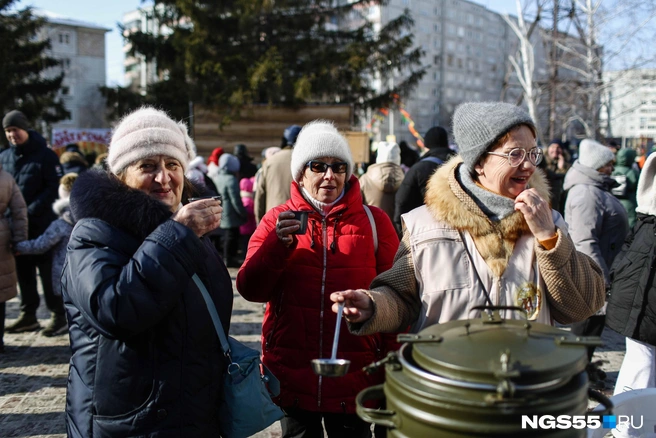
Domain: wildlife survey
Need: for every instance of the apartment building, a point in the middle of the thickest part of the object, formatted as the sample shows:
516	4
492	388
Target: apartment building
80	46
629	104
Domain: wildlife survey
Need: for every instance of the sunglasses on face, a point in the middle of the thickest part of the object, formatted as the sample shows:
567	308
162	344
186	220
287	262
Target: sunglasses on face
517	156
321	167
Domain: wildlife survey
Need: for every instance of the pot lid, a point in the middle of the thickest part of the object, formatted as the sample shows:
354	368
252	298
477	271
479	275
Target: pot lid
491	349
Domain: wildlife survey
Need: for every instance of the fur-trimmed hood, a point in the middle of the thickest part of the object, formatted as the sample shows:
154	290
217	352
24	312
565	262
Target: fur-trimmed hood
101	195
449	203
62	207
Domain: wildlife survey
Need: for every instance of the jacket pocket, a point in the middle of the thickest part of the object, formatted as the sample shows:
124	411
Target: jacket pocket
138	423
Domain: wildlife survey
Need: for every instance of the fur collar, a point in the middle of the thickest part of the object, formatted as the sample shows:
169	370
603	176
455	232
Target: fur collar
449	203
100	195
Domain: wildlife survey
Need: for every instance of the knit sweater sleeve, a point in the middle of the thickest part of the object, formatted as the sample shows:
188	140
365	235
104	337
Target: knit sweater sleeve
395	294
575	283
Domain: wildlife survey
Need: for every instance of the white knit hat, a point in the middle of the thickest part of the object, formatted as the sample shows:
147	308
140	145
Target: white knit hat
388	152
319	139
147	132
594	154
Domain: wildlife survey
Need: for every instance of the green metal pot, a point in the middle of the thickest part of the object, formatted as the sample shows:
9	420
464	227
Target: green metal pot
477	377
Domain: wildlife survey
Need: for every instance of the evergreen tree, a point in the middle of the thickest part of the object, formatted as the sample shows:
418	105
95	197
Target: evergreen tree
28	80
232	53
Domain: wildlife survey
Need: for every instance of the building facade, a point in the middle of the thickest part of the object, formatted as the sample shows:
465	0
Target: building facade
80	47
629	105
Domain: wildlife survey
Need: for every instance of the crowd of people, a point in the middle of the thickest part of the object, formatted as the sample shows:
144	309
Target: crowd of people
411	241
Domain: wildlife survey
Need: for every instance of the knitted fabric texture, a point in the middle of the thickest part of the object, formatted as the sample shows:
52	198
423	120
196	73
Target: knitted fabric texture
388	153
593	154
17	119
477	125
319	139
436	137
229	163
147	132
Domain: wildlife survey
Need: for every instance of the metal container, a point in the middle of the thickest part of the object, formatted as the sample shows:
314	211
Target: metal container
477	377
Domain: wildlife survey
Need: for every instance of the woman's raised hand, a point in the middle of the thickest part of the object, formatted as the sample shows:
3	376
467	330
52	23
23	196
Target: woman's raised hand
201	216
358	306
286	226
537	213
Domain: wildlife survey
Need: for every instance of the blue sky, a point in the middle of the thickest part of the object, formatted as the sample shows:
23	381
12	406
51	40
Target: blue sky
108	13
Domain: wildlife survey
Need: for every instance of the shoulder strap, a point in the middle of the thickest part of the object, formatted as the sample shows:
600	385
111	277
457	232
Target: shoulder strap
373	226
433	160
214	314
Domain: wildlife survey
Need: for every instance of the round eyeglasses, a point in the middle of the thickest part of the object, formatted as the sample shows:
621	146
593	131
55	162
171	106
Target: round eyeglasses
516	156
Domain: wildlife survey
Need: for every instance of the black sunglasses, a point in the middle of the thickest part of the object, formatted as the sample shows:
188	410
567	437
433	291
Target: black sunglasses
321	167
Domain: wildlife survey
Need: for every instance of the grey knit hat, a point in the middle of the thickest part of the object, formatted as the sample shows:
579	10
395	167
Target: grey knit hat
477	125
147	132
318	139
593	154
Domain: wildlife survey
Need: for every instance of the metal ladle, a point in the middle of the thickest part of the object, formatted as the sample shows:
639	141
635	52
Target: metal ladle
332	367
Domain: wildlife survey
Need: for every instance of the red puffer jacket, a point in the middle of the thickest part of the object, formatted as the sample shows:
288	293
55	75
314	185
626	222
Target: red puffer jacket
336	253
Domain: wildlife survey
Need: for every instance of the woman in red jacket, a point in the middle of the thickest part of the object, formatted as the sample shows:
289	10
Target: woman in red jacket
296	273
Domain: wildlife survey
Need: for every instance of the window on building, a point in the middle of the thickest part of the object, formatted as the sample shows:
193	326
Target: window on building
65	90
449	60
64	38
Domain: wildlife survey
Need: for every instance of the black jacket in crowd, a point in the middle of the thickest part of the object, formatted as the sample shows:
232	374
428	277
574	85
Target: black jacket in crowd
410	194
37	171
146	359
632	303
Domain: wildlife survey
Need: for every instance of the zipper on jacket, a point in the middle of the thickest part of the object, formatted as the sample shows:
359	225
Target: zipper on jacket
324	233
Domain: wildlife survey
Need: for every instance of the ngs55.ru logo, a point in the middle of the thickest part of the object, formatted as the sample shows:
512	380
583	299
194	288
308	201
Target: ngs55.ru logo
582	421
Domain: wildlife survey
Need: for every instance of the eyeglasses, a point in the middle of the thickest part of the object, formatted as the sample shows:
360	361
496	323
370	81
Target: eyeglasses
321	167
516	156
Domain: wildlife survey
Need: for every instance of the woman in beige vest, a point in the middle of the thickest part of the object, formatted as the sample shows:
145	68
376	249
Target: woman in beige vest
485	236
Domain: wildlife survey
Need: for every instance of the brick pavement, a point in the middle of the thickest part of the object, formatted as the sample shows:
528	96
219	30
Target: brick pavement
33	372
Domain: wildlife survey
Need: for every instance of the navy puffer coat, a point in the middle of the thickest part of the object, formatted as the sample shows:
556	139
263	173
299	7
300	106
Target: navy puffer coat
37	171
146	360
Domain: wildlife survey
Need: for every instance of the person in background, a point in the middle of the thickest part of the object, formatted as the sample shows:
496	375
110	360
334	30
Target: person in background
246	167
295	273
234	213
411	193
73	162
486	236
197	174
13	229
382	179
246	230
556	164
598	224
55	237
145	360
632	299
37	171
626	176
408	156
100	163
272	187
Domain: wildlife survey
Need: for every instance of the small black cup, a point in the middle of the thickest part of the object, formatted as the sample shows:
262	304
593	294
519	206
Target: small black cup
303	217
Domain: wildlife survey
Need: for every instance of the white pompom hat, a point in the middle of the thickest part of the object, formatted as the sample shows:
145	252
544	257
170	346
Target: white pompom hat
319	139
147	132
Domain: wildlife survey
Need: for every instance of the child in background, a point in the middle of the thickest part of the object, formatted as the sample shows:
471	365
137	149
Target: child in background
246	186
55	236
13	230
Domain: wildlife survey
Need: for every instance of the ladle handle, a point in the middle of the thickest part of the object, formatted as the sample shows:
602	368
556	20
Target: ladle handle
338	325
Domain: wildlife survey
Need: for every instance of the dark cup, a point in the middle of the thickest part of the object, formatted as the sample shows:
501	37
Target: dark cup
303	217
